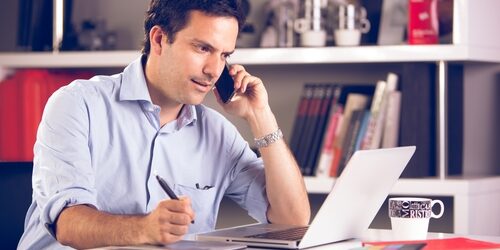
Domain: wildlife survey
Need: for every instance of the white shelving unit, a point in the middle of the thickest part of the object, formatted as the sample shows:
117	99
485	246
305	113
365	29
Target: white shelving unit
326	55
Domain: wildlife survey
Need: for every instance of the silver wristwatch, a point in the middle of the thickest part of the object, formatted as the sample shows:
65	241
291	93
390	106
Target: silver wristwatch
268	139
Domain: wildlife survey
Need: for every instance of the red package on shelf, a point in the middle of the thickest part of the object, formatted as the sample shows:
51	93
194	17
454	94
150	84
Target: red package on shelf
22	100
423	23
33	91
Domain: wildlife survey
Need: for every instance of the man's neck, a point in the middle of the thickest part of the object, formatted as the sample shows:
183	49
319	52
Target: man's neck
168	114
169	110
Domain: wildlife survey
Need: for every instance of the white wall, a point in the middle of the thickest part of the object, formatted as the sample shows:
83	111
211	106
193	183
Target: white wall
126	18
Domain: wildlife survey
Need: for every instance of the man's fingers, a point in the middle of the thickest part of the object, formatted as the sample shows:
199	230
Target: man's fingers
175	218
179	207
178	230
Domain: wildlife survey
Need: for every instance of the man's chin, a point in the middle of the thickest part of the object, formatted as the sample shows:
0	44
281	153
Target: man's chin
195	100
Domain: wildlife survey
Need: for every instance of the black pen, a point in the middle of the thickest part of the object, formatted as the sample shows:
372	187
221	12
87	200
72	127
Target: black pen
168	190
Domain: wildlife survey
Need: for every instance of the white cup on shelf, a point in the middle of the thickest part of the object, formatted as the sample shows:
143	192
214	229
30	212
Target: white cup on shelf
345	37
313	38
350	23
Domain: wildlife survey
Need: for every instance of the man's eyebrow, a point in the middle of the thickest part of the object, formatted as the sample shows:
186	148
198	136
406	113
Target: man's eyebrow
208	45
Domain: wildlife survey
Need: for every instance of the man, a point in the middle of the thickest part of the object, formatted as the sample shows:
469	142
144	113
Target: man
101	142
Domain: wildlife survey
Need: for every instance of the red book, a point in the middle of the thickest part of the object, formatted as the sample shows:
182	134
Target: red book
334	168
423	25
458	243
10	131
32	86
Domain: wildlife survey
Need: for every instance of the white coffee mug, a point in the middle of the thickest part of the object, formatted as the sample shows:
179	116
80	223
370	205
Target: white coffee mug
346	37
349	24
410	217
309	37
313	38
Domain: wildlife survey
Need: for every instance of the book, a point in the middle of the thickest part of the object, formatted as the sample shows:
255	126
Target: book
22	100
349	146
423	23
334	119
41	30
457	243
362	130
355	101
391	127
32	86
375	108
313	117
24	24
10	145
392	83
334	167
300	118
314	150
353	97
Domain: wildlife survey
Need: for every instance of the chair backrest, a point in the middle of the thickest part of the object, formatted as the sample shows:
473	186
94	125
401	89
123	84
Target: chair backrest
15	197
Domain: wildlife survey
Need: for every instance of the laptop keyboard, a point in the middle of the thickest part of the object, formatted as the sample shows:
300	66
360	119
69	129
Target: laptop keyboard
288	234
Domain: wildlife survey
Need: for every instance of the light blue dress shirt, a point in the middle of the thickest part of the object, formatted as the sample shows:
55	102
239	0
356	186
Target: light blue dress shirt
100	143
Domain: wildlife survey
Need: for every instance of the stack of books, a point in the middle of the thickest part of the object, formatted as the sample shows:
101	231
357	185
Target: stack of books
335	120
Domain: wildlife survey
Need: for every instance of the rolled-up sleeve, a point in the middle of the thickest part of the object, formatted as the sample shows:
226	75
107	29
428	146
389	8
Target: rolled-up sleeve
62	173
248	182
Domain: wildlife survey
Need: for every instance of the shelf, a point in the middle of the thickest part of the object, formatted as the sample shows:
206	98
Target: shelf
365	54
266	56
82	59
422	186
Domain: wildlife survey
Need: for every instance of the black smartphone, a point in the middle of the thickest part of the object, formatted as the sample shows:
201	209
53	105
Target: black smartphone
225	86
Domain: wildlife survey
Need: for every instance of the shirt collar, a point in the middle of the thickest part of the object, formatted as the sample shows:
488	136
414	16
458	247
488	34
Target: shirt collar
134	88
187	116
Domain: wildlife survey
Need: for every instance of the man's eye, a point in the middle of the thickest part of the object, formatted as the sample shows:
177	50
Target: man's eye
203	48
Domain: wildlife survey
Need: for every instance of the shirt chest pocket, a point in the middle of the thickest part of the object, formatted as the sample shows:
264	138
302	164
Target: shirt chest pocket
205	203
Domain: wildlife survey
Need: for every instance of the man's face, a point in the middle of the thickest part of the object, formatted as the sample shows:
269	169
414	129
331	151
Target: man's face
189	67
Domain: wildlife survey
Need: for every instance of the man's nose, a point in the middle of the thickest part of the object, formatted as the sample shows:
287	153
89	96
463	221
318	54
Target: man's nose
213	67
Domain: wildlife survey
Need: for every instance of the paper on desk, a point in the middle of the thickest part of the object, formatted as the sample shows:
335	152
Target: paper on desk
184	245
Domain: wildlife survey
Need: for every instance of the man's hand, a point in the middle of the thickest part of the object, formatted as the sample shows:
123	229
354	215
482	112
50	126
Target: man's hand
170	221
251	95
83	226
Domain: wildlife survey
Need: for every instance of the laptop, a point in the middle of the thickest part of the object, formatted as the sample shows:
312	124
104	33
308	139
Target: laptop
345	214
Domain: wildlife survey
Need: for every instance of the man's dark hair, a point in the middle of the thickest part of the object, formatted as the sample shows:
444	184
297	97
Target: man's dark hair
173	15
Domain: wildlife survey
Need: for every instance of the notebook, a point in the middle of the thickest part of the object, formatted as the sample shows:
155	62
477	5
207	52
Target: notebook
346	213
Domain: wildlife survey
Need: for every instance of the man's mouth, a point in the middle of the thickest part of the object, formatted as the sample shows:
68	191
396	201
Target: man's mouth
204	84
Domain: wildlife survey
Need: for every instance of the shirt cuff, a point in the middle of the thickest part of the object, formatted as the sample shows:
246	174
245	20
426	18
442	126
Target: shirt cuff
67	198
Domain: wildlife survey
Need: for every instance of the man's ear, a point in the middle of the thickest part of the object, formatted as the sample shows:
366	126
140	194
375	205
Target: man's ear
156	35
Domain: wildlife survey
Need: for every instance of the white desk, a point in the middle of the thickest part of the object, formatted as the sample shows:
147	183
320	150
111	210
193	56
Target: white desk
371	235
